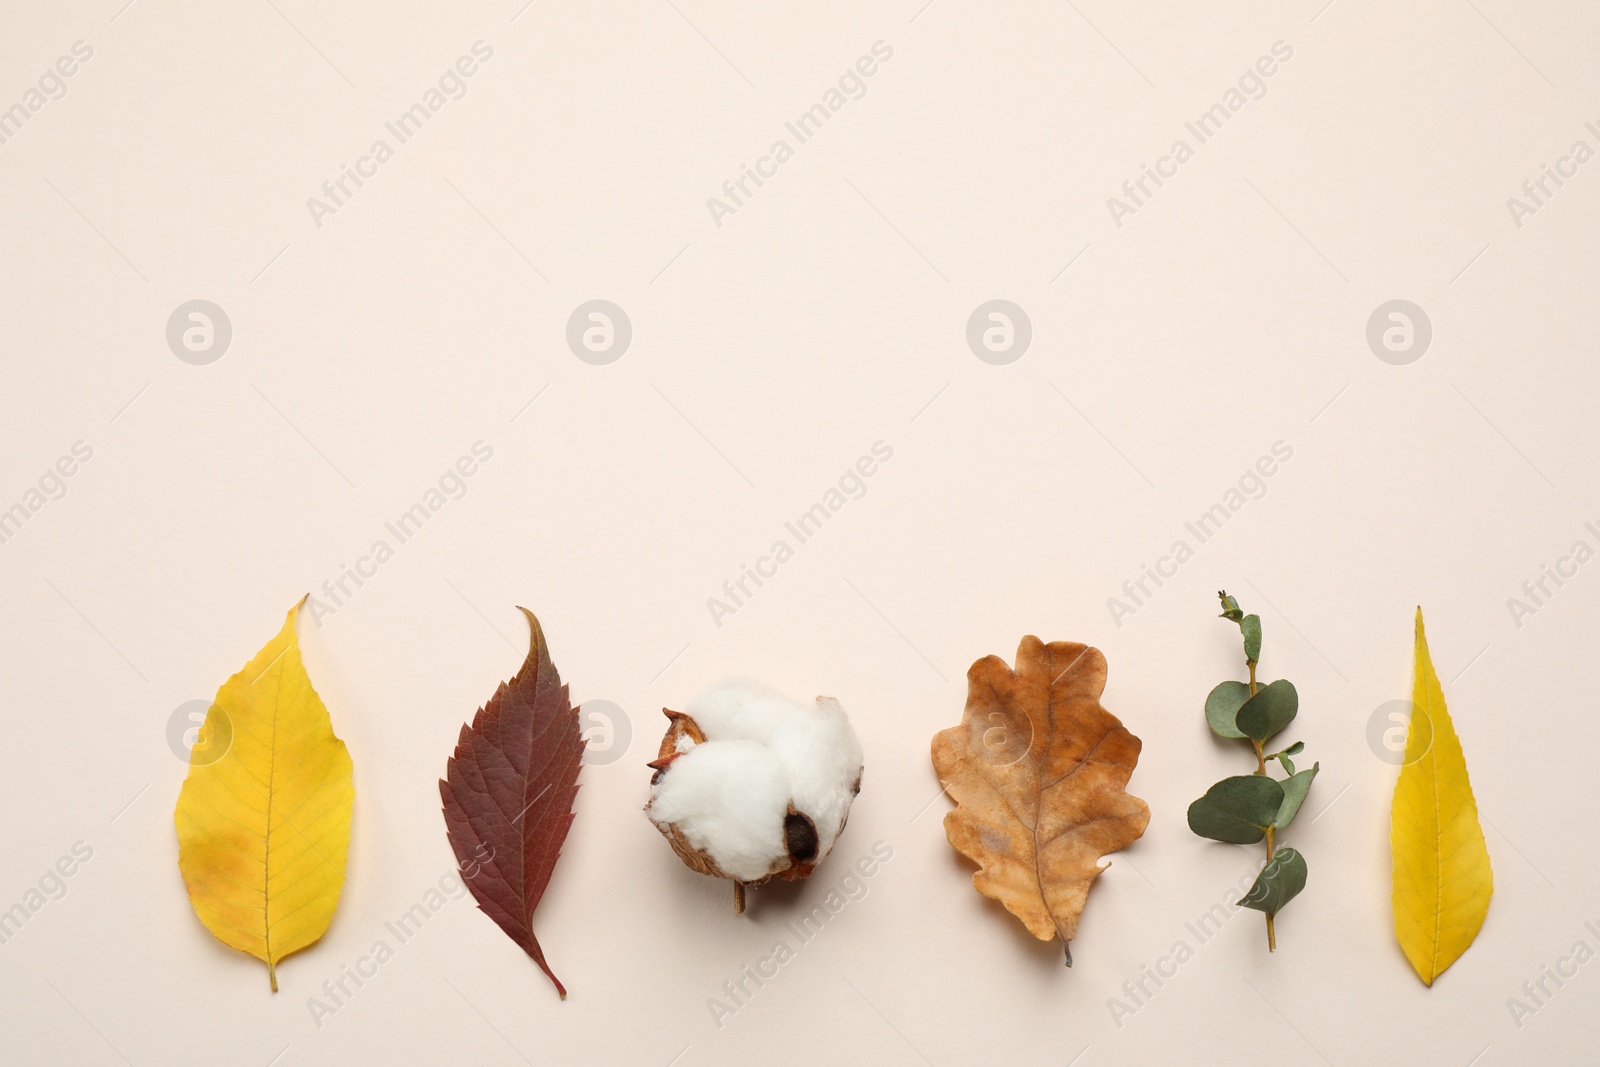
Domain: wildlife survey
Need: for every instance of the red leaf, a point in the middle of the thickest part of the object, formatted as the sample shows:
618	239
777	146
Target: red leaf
508	793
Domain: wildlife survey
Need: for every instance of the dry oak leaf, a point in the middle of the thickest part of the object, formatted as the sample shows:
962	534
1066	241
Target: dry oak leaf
508	794
1038	771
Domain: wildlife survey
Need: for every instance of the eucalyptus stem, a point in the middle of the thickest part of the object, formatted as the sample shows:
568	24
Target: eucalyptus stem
1261	770
1272	936
1249	808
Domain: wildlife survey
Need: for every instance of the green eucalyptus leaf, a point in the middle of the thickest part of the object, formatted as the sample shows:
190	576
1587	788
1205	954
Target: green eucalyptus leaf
1280	881
1270	710
1294	794
1230	607
1283	754
1250	625
1237	809
1222	707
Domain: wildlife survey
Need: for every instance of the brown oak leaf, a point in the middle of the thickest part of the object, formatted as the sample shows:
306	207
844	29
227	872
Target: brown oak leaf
1038	770
508	793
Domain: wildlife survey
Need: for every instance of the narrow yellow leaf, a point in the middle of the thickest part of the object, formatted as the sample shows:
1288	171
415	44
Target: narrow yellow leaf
263	827
1442	880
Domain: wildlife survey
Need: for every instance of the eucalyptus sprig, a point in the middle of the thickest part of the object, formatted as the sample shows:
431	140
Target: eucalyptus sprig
1246	808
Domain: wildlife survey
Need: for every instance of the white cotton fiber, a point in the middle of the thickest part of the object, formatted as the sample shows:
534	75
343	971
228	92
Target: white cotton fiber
741	710
763	754
728	798
821	758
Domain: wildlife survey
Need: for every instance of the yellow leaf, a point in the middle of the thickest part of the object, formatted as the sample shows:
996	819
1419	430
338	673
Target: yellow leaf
264	826
1442	879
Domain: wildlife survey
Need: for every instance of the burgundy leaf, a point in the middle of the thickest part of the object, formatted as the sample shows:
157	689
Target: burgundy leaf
508	793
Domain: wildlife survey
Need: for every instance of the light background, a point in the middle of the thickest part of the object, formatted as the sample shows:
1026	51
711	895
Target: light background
828	313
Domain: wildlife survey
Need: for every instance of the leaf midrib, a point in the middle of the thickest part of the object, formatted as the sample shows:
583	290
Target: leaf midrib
272	771
1038	805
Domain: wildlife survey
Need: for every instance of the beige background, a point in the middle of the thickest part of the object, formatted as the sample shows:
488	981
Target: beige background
768	354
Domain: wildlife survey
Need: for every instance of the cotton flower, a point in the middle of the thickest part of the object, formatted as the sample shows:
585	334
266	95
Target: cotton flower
750	784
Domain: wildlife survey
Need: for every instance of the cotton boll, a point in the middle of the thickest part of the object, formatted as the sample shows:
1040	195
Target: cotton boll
750	784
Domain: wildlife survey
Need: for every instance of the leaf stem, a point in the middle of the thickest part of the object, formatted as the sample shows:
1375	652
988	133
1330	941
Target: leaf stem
1272	937
1261	769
